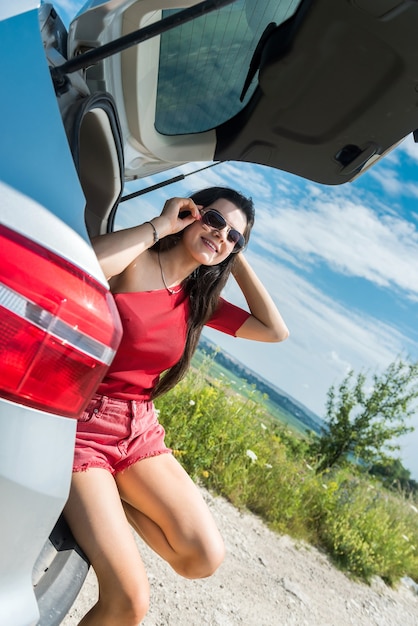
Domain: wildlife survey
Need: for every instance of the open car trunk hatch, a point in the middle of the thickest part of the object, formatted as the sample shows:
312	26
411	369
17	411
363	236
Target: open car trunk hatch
319	88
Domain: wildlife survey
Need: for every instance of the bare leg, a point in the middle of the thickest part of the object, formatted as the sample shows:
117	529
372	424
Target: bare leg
97	519
167	510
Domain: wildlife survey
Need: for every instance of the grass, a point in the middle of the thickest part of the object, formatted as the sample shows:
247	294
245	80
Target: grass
227	441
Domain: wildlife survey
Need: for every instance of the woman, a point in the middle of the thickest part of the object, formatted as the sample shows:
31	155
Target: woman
166	276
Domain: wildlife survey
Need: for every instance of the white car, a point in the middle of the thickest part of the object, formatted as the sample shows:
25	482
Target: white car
320	88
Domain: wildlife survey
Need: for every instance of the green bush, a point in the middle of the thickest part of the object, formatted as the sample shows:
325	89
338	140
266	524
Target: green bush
226	441
369	531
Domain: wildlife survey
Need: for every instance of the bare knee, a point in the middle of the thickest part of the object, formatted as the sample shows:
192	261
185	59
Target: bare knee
201	561
133	610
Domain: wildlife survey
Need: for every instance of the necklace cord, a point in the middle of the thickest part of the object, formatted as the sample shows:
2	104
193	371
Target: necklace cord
170	291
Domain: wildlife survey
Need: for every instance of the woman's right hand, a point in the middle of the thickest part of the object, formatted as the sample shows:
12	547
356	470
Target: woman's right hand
177	214
117	250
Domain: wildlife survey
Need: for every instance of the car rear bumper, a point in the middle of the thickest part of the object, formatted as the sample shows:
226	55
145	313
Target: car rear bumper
36	453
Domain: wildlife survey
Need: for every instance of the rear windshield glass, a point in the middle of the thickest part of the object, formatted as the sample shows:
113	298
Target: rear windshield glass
204	64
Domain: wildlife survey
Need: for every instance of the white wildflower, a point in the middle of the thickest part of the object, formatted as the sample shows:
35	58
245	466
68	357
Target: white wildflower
325	486
192	402
269	466
405	537
263	426
251	455
157	412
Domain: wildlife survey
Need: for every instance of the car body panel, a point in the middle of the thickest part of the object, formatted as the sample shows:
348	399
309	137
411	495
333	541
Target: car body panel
43	200
30	218
30	118
36	452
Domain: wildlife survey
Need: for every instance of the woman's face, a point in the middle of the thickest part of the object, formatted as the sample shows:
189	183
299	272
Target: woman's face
210	246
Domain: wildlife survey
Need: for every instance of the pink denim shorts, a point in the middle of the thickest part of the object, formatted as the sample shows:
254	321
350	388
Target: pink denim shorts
113	434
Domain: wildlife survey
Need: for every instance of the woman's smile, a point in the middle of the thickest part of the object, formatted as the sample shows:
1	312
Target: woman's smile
210	244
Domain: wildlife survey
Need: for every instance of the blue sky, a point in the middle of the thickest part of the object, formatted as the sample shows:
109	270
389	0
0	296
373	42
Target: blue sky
340	262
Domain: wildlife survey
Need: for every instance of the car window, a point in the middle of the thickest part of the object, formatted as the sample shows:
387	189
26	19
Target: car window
204	64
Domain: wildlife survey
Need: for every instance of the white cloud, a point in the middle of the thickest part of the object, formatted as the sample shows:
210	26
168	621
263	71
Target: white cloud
393	184
389	180
246	178
390	173
393	156
335	359
410	148
350	238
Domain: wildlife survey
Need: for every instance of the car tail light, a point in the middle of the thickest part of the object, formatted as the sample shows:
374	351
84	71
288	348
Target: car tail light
59	328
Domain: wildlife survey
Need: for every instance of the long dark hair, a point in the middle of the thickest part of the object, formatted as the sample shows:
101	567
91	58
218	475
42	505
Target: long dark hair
204	285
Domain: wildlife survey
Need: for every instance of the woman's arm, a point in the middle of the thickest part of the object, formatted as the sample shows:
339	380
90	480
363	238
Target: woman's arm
117	250
265	322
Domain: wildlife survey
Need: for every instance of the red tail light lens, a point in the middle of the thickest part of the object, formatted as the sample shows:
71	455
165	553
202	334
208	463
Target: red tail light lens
59	328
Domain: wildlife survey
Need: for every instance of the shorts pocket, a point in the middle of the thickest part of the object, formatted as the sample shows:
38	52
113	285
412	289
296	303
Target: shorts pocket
90	411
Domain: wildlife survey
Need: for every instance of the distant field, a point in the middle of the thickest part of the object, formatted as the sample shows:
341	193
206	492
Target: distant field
217	371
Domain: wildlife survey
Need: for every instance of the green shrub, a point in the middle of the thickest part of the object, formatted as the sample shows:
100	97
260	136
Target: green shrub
227	441
369	532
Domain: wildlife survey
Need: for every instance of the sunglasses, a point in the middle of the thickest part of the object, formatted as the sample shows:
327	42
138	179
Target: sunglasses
214	219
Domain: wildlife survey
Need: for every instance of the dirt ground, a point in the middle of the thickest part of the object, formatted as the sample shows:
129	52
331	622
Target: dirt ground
265	580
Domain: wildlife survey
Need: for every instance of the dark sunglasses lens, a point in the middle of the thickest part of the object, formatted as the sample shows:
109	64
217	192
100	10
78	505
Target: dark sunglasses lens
236	238
214	220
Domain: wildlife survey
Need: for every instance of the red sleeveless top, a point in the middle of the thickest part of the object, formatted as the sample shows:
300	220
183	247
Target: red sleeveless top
154	334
